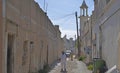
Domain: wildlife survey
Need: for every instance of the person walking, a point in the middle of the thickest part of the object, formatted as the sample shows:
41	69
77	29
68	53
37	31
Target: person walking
63	62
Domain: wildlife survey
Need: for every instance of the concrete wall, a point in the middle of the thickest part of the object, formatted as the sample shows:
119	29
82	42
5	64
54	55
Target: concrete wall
110	35
107	28
119	51
27	23
1	37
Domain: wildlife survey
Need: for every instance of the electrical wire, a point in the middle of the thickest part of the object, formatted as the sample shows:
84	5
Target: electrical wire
65	16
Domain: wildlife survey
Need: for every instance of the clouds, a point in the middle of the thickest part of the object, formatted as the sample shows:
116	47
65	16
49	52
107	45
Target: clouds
59	8
69	33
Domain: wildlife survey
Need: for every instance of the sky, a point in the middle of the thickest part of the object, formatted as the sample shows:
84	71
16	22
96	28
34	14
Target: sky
62	13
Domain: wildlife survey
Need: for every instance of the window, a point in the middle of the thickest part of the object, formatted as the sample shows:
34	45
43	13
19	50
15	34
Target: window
31	45
24	56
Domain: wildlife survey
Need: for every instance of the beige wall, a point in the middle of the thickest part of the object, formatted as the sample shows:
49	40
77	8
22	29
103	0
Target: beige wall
119	51
107	18
26	21
1	37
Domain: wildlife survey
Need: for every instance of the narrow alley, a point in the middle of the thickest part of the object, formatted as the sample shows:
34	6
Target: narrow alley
74	66
35	34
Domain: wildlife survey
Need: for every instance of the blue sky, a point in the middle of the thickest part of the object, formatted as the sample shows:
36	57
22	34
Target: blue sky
62	13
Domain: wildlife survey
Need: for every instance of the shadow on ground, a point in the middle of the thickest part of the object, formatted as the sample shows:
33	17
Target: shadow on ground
64	72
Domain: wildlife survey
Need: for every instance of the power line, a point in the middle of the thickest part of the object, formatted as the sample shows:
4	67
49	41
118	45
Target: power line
66	20
65	16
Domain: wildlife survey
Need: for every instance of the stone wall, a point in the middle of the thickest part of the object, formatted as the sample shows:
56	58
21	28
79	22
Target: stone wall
107	28
1	37
35	40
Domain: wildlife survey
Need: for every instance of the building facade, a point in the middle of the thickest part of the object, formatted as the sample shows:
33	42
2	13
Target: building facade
107	29
85	32
69	44
1	33
29	40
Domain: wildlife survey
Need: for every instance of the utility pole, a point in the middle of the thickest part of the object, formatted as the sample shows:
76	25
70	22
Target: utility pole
78	44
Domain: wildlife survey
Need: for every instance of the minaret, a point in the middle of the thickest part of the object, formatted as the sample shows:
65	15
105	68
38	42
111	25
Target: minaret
83	18
84	9
83	15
